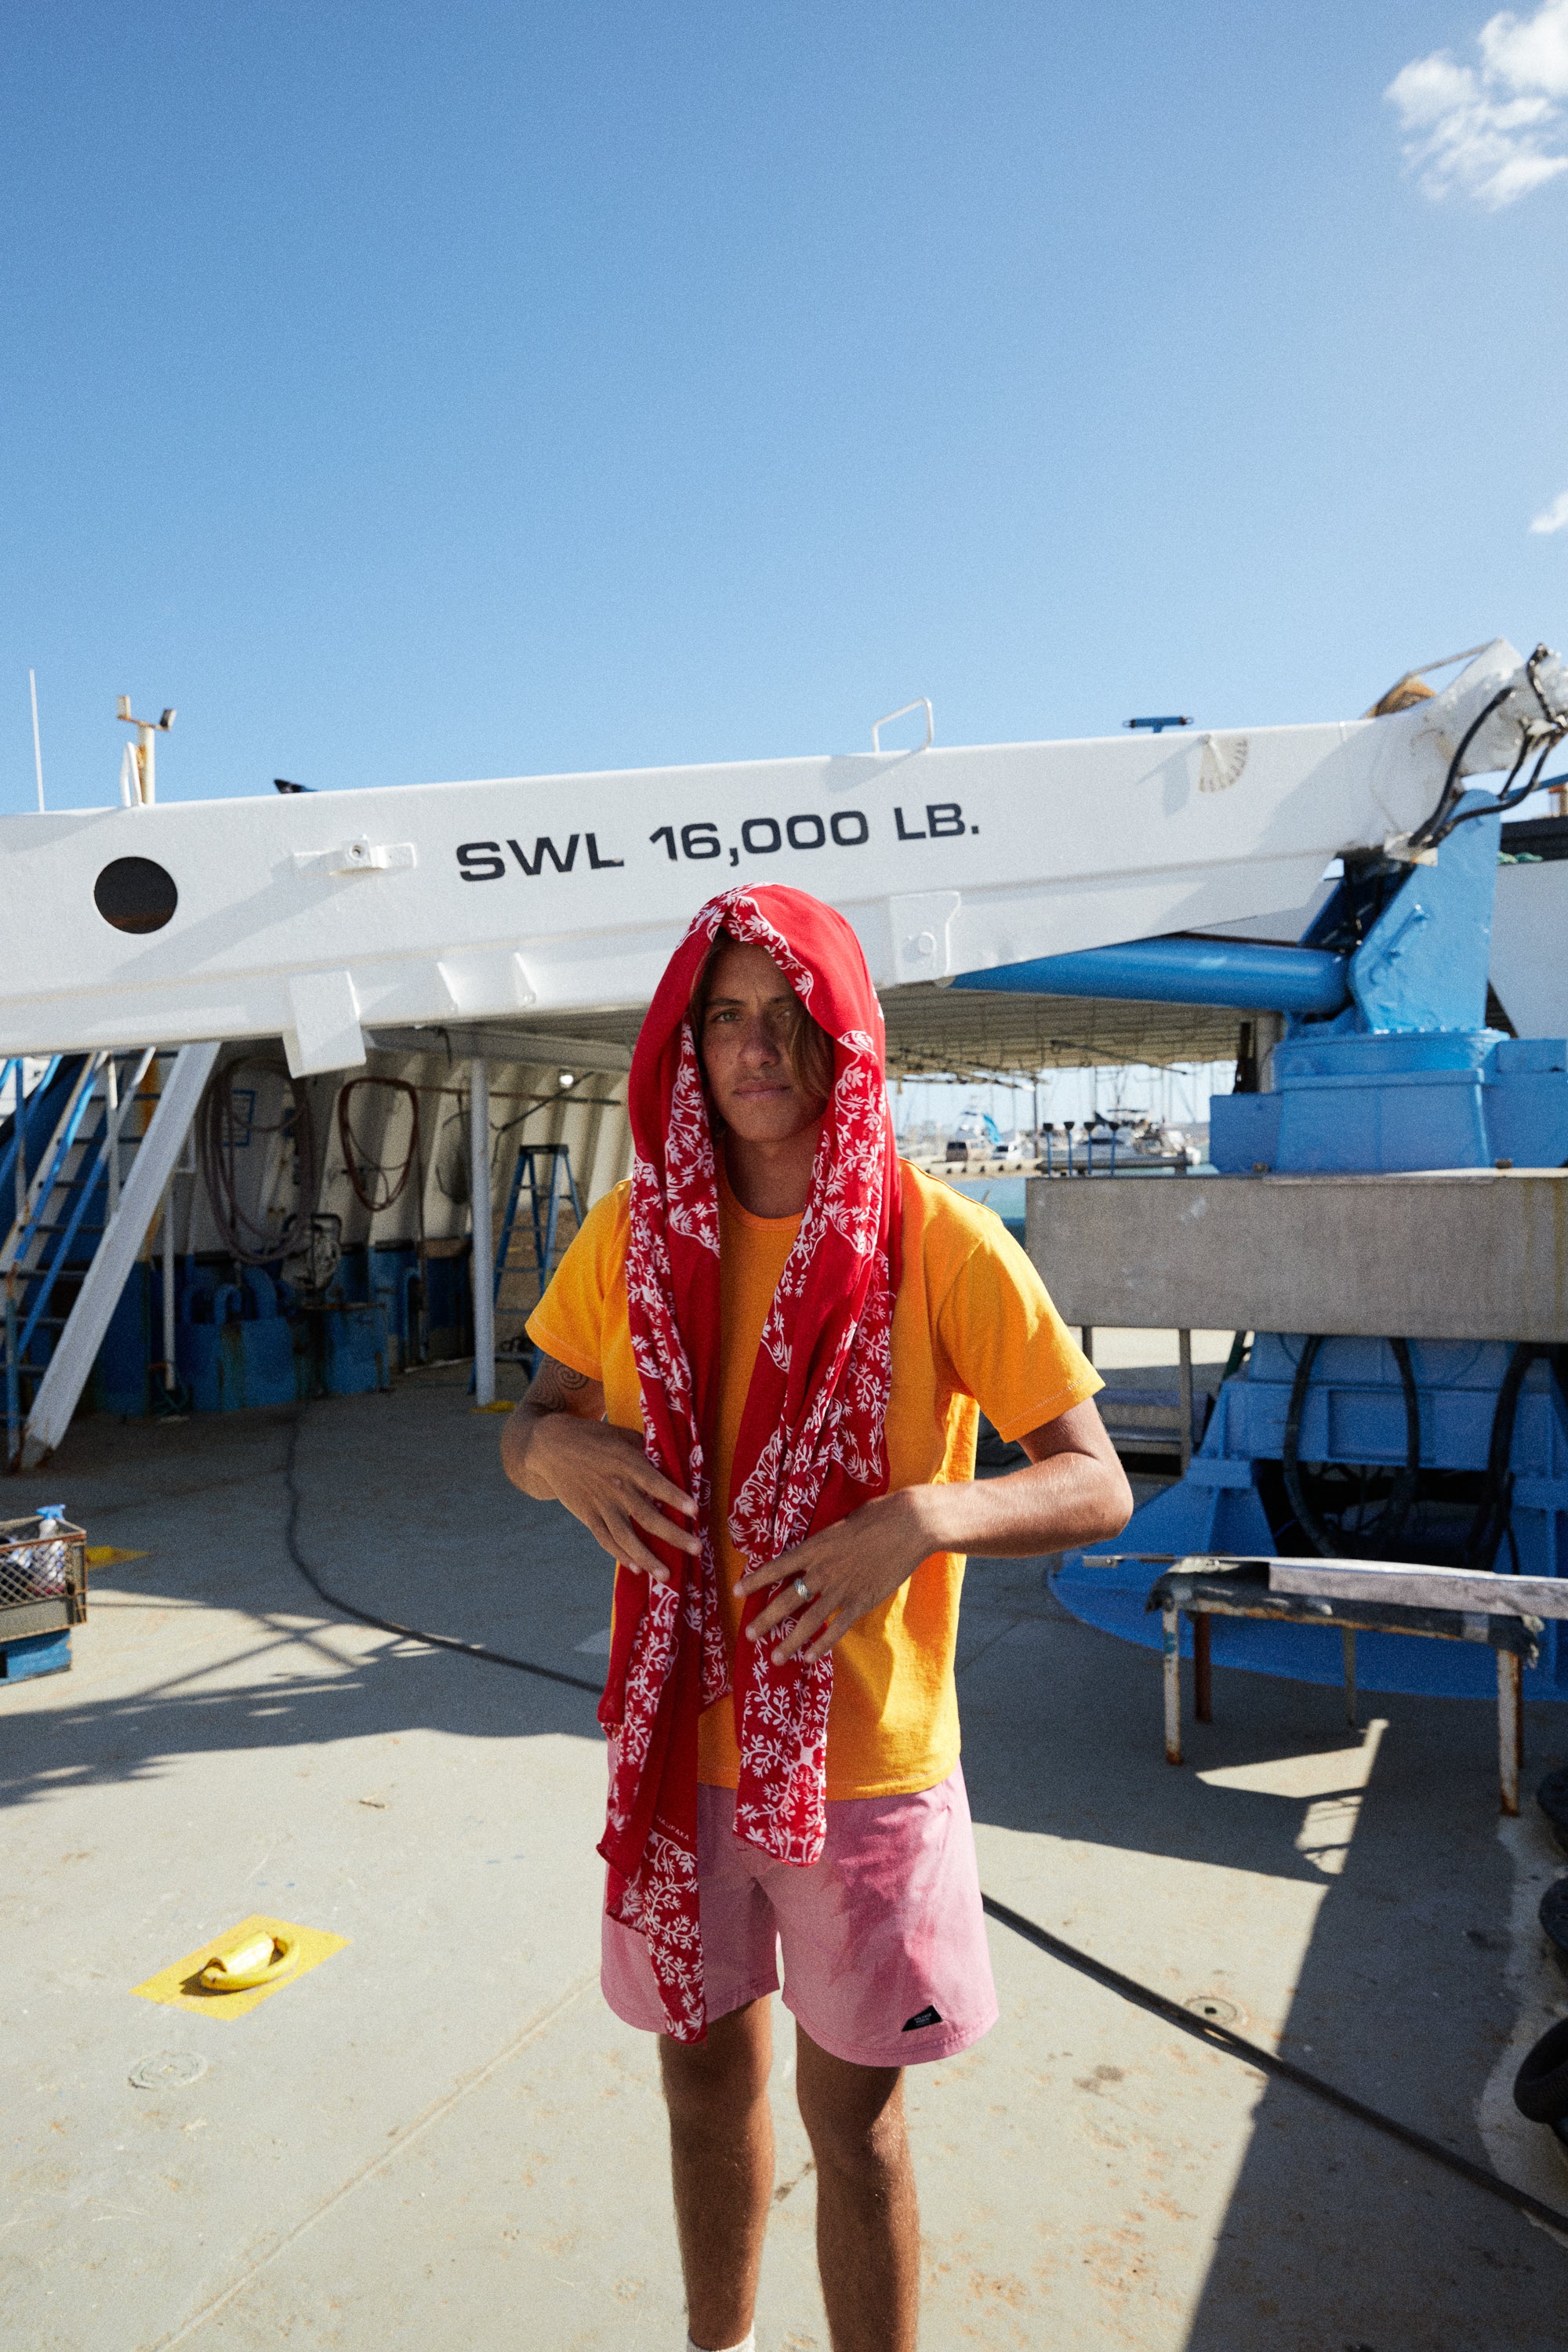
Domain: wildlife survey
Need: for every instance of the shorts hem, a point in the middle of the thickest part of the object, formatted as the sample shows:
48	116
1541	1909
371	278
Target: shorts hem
957	2038
758	1992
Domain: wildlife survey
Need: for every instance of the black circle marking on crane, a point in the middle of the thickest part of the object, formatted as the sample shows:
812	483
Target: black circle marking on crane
135	894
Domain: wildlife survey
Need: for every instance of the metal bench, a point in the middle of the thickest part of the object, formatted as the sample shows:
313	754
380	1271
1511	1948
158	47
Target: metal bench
1444	1604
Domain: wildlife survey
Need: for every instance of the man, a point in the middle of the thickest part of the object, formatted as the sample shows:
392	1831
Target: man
762	1366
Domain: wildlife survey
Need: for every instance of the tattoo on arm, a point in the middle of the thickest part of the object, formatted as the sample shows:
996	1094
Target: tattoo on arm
556	1388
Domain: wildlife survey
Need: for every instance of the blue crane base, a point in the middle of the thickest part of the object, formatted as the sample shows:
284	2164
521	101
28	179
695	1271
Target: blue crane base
1351	1447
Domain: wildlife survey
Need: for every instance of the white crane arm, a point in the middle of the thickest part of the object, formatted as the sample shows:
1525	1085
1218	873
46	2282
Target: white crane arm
317	917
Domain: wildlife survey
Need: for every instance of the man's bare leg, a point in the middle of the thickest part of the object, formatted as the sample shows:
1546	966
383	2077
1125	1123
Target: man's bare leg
721	2158
868	2222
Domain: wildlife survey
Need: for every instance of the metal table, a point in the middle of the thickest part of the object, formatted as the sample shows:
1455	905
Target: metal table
1442	1605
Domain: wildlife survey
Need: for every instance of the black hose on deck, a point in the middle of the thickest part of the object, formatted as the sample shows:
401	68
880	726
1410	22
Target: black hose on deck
390	1624
1267	2061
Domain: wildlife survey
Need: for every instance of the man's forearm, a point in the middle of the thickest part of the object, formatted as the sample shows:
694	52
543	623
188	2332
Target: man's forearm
1049	1506
522	1458
555	1392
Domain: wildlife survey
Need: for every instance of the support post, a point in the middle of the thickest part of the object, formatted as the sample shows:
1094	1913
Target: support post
21	1188
111	1135
168	1372
1184	1383
13	1379
1170	1622
479	1213
1510	1727
1203	1686
1347	1644
1086	1340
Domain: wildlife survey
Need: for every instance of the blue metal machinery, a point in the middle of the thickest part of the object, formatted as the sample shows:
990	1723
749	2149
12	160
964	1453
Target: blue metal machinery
1244	972
244	1335
1454	1451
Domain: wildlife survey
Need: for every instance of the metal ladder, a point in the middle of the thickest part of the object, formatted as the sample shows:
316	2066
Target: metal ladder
544	1203
74	1120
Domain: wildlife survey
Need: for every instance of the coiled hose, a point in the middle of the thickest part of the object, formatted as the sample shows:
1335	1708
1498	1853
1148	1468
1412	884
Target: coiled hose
216	1147
1390	1522
1491	1521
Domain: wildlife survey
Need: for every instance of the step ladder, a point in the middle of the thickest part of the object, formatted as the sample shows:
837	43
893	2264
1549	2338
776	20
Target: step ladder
526	1247
83	1185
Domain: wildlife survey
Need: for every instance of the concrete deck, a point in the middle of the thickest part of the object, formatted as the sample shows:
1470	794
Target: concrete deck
440	2138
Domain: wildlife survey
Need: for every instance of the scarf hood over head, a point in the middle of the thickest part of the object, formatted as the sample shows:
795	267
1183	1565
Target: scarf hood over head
811	1447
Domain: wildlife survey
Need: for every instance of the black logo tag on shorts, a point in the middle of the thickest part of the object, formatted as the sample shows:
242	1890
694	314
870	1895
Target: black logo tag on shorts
927	2016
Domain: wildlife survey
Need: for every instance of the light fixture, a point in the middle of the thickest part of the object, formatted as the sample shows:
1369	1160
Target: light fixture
567	1078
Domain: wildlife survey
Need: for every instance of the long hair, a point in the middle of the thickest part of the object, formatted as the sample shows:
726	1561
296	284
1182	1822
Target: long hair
807	1047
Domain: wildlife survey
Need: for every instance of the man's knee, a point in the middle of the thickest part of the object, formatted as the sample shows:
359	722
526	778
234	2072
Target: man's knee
723	2076
854	2116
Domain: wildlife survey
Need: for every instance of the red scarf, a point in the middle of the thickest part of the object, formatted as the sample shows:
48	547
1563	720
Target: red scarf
810	1450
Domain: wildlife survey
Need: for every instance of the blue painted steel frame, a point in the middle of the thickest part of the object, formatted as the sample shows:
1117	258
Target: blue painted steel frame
1405	1076
1249	973
1353	1412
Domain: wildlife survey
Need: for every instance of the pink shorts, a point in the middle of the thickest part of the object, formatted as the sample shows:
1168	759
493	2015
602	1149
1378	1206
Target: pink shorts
885	1961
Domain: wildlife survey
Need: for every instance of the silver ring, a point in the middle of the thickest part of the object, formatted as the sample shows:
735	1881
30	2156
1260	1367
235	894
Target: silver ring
802	1590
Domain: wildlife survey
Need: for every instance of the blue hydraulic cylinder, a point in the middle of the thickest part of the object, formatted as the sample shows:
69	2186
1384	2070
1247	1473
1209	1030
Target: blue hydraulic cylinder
1251	973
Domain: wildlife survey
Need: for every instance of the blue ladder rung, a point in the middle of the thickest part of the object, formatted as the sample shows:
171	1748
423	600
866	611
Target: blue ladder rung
544	1225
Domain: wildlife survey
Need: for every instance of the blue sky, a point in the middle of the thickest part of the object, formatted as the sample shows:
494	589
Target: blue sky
467	390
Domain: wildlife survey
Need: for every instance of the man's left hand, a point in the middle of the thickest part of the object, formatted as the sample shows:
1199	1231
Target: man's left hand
850	1570
1072	1490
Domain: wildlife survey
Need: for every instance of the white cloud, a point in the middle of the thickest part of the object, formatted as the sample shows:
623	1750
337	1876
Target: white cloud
1496	130
1552	517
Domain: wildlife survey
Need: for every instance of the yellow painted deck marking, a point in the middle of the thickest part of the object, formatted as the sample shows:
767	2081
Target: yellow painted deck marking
179	1987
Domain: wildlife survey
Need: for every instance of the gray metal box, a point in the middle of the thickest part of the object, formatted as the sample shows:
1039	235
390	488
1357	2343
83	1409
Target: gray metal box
1454	1255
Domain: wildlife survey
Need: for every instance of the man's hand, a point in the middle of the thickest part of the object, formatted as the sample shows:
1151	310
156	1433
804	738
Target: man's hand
1073	1491
558	1447
850	1570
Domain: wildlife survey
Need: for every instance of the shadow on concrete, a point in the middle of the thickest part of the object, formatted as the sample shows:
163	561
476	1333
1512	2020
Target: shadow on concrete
404	1512
398	1687
1063	1735
1337	2239
1335	2234
1334	2239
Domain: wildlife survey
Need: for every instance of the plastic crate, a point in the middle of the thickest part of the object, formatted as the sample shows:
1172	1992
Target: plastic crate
43	1579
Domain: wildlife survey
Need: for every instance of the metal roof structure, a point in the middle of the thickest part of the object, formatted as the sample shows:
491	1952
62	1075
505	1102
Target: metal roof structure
932	1031
936	1031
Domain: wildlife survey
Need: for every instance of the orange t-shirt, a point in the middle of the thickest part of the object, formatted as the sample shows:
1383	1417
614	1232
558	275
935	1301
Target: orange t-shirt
972	1329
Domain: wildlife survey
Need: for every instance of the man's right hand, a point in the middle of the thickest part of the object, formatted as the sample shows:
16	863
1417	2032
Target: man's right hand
558	1447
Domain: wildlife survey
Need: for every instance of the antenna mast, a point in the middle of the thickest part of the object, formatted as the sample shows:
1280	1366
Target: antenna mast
37	750
141	750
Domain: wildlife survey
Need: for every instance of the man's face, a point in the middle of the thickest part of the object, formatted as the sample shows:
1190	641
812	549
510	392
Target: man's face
750	1016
